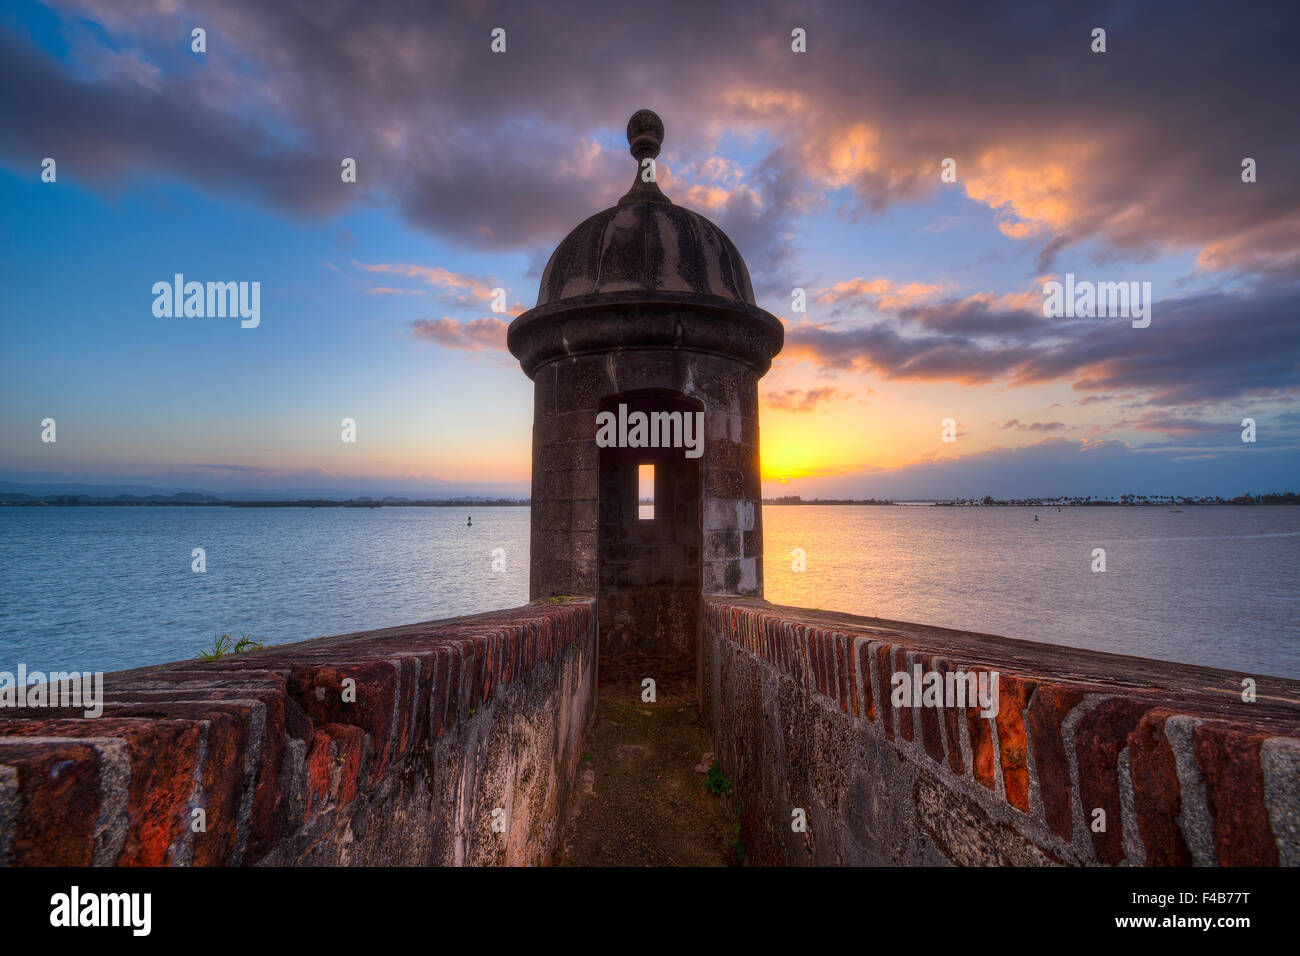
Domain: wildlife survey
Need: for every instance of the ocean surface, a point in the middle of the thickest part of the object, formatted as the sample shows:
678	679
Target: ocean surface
90	588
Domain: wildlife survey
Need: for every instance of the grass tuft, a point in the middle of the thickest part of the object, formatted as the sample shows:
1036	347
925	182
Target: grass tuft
224	646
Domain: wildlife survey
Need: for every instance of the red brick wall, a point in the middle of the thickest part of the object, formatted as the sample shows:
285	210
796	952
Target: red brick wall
451	721
1185	770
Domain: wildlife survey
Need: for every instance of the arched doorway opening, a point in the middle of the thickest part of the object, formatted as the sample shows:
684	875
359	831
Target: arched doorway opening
648	554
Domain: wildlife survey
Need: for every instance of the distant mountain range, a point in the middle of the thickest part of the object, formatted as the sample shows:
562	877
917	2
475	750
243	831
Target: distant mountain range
78	494
100	495
12	499
183	498
15	493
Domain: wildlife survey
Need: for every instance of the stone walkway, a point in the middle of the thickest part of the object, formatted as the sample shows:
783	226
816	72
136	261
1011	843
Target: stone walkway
640	799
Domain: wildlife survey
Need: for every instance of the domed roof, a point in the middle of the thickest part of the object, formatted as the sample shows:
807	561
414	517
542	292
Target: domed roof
645	244
645	275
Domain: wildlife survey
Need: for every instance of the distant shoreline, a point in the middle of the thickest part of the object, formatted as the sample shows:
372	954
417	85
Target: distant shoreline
161	501
186	500
1124	501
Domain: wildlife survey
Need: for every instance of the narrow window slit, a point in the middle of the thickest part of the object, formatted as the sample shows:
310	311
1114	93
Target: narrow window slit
645	479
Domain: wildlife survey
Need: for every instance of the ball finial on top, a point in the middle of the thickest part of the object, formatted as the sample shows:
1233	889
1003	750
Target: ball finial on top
645	134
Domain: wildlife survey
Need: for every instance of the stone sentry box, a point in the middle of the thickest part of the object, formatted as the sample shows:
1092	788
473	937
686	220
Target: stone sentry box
647	304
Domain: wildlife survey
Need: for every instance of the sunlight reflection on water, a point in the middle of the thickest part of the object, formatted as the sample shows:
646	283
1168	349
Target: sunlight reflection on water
103	588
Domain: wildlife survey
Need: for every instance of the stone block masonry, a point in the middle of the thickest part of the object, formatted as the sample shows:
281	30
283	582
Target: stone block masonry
455	726
1183	771
646	313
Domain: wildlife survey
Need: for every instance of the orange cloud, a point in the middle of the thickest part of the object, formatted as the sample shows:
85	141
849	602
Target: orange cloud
385	290
763	103
843	156
884	293
799	400
714	198
434	276
1268	247
1031	196
472	336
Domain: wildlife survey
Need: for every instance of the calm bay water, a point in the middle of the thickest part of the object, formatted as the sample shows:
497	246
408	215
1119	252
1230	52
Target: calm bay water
105	588
1211	586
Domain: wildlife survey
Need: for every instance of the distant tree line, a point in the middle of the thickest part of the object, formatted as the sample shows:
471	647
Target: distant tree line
194	500
1274	498
797	500
207	501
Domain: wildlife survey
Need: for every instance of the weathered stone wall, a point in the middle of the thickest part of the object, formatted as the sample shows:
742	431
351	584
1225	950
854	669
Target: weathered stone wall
594	359
451	720
800	707
567	396
649	588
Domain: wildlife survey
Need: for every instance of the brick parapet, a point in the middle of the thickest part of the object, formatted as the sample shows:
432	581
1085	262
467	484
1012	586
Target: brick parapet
1184	769
451	720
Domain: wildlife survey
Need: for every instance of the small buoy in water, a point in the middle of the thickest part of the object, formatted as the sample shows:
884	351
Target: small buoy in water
469	522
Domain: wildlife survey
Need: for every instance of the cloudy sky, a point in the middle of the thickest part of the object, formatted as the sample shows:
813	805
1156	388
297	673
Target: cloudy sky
925	298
